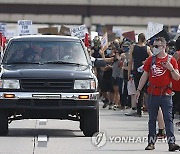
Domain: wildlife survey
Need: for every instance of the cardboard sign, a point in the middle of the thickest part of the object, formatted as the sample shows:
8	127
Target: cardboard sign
3	28
153	29
65	31
104	42
24	27
79	32
49	30
111	37
129	35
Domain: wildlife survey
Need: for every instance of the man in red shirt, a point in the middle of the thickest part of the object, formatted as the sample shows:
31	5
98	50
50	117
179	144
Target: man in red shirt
160	75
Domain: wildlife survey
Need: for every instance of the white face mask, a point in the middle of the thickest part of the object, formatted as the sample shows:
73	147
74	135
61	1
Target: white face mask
156	51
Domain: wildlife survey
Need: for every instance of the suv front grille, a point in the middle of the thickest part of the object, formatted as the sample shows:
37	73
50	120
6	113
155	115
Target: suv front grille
46	84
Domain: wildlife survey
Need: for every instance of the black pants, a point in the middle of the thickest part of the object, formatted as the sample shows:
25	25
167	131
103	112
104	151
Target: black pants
137	77
125	98
176	102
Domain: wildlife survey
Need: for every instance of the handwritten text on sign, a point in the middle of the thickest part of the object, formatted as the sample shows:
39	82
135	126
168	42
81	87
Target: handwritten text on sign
25	27
79	32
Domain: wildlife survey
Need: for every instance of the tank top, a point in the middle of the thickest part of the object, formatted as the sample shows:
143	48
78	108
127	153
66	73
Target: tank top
116	70
139	55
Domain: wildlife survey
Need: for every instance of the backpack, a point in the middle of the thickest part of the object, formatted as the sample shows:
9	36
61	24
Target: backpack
154	59
162	88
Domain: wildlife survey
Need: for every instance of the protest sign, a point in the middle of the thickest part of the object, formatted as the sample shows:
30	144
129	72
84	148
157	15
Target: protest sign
65	31
153	28
178	30
24	27
129	35
79	32
104	42
3	28
162	33
49	30
117	31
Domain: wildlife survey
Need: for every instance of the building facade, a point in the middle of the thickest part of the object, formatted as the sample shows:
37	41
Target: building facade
92	12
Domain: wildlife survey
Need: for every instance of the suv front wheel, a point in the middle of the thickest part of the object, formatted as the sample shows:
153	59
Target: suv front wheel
3	123
90	122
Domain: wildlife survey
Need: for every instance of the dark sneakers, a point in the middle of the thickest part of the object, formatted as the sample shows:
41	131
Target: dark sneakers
150	147
106	103
174	147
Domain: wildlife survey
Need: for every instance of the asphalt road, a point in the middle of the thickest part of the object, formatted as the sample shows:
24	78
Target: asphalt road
119	134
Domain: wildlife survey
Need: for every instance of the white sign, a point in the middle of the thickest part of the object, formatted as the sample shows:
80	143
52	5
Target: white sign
104	42
118	31
153	28
93	34
178	30
10	34
3	28
24	27
79	32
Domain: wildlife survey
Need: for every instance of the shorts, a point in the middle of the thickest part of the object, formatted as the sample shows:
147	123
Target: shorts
115	81
106	85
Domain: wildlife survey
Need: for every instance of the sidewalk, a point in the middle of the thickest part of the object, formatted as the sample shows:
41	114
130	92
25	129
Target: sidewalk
128	134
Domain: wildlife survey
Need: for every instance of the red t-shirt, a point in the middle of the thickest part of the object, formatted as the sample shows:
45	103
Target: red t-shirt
159	76
176	84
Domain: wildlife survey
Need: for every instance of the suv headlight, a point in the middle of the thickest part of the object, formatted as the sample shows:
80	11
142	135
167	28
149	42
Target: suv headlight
84	84
9	84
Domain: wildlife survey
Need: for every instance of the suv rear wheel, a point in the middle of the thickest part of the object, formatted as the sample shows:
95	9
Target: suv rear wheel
90	122
3	123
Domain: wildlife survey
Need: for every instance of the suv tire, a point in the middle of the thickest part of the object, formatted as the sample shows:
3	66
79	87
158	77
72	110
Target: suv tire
3	123
90	122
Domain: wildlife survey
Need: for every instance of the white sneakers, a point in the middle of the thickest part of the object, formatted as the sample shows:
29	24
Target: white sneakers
131	113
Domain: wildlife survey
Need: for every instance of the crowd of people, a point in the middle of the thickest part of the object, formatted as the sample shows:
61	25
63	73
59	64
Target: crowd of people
142	76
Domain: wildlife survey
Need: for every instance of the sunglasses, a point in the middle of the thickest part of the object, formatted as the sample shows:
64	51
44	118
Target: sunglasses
157	46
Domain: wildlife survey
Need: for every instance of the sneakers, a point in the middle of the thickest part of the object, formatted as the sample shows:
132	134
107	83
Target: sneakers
150	147
106	103
177	124
174	147
138	115
131	113
110	105
115	107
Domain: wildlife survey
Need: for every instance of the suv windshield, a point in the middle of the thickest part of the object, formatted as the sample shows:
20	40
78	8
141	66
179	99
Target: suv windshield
44	52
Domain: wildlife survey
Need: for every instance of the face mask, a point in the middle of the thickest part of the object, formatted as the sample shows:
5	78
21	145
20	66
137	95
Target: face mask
125	49
116	45
108	52
156	51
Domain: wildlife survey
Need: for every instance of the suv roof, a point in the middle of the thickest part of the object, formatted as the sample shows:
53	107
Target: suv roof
46	38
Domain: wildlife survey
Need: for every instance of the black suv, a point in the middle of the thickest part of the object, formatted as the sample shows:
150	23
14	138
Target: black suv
48	77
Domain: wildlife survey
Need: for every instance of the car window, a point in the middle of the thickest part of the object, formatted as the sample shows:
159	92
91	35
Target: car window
43	52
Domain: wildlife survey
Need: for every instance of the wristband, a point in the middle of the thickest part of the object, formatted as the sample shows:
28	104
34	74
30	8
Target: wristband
138	90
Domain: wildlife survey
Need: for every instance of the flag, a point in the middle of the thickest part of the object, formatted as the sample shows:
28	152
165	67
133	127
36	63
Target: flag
86	40
129	35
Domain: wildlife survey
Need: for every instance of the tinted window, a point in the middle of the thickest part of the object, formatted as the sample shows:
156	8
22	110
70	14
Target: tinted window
43	52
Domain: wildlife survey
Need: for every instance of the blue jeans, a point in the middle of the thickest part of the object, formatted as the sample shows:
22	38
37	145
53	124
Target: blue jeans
153	103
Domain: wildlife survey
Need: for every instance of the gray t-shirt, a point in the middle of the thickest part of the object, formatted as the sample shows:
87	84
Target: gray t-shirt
116	70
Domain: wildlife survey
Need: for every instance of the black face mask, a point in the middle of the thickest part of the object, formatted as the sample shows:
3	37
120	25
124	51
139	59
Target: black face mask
116	45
